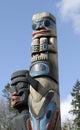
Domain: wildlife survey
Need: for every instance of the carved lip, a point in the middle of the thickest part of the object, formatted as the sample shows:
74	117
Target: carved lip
40	32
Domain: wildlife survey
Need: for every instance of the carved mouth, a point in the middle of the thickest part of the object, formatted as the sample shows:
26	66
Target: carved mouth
41	57
40	32
41	47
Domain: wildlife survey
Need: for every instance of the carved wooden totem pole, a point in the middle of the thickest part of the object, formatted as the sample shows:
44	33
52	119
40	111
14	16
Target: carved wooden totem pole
44	99
42	78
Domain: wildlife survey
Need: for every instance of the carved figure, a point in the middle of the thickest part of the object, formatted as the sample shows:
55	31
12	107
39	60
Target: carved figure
19	99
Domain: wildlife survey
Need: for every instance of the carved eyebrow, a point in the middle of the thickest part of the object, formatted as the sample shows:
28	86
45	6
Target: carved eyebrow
43	19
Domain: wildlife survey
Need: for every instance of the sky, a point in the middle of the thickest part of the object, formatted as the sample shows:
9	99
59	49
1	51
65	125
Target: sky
16	38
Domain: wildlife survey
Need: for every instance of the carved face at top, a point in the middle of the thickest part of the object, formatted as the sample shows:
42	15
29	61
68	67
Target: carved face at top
43	24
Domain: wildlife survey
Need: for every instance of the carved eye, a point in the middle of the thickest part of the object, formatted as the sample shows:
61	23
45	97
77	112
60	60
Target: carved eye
34	26
47	23
21	93
48	115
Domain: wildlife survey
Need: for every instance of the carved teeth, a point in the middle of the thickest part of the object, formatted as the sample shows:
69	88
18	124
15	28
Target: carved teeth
39	57
34	58
43	57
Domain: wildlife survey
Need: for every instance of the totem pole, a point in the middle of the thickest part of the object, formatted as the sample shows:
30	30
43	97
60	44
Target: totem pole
44	98
19	99
41	80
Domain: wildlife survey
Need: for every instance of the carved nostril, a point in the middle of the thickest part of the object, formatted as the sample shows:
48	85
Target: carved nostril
40	27
48	115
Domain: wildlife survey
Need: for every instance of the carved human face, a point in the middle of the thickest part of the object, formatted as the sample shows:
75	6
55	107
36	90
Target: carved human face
20	95
43	24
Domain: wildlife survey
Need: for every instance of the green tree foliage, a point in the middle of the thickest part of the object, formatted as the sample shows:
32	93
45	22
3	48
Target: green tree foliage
2	114
65	126
76	104
7	113
68	125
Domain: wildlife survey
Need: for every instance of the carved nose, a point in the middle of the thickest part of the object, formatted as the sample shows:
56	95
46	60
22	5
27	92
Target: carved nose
40	27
